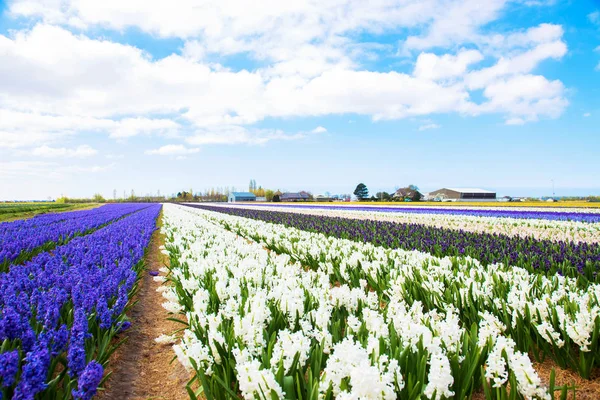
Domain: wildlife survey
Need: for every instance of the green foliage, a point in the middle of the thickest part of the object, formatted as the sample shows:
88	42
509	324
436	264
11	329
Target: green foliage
383	196
361	192
269	194
97	198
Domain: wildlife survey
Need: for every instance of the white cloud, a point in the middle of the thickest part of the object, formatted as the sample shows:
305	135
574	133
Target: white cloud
431	66
134	126
232	24
47	170
319	129
454	23
240	135
106	80
57	83
525	98
24	129
514	121
521	63
172	150
543	33
429	126
594	17
82	151
587	114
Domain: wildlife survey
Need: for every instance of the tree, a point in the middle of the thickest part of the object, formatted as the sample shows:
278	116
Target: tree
413	187
252	186
383	196
98	198
416	196
269	194
361	192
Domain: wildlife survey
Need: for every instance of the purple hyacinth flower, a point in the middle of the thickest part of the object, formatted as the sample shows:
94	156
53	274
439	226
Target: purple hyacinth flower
153	273
89	381
124	326
9	366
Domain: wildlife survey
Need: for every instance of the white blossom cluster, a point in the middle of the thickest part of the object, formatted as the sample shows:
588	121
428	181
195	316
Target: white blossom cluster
270	295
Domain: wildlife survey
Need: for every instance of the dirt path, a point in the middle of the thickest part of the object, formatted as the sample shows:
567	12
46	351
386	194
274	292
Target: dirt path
141	368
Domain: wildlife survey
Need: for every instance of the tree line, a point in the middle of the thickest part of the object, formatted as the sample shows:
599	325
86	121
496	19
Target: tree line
410	193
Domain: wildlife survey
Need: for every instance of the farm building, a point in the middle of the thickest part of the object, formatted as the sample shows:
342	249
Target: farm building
463	194
322	197
407	193
241	196
302	196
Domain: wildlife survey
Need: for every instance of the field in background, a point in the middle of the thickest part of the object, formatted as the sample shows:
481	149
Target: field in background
565	204
13	211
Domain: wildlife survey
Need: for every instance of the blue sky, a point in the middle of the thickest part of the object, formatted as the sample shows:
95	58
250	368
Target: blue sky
312	95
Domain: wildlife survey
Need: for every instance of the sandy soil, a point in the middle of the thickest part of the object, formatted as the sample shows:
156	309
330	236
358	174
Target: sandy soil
141	368
584	389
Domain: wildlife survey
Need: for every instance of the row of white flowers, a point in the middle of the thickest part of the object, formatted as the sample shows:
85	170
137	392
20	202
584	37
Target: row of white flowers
538	228
317	317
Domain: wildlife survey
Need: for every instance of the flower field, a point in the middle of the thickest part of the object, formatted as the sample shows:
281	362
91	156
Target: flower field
298	303
581	260
566	231
553	214
21	239
61	310
272	311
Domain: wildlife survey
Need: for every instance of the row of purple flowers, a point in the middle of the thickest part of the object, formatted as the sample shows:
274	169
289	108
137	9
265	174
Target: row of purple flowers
568	258
60	311
591	217
19	239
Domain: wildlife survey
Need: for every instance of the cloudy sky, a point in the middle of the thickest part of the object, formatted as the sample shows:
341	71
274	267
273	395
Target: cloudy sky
150	95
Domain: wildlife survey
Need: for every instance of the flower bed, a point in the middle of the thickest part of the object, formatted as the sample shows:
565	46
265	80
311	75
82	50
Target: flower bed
567	258
319	317
565	231
60	311
19	239
582	215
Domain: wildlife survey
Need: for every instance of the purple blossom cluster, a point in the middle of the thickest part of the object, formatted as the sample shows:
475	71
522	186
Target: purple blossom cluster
592	217
69	302
20	237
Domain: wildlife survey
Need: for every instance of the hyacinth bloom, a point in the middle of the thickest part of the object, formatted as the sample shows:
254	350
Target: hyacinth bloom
554	230
278	307
567	258
583	215
19	237
53	304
